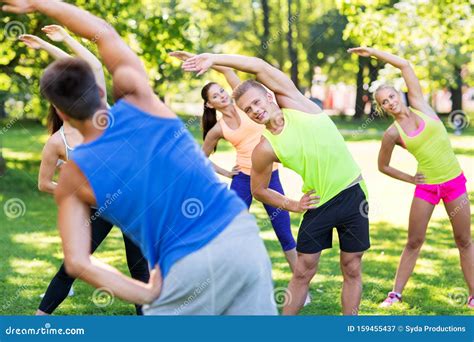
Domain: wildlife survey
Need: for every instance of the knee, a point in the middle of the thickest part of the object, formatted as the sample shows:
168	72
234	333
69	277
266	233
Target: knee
351	269
415	243
304	273
463	241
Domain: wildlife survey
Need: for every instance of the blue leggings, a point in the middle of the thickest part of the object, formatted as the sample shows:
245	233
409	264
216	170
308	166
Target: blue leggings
280	218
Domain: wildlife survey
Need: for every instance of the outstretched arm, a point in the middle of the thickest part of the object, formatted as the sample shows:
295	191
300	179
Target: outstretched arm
58	34
37	43
231	77
286	93
415	94
263	158
129	76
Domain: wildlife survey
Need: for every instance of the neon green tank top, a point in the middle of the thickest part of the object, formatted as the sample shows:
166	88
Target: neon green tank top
311	145
432	149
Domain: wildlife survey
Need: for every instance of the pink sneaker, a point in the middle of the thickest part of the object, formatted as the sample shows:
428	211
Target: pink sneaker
391	299
470	302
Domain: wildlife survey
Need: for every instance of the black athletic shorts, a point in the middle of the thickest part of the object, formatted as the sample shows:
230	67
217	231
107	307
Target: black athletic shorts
348	213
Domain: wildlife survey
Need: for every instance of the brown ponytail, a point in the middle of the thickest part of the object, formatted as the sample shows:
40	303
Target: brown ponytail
209	116
54	122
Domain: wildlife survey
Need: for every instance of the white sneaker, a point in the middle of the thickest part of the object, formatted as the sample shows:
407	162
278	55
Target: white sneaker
307	300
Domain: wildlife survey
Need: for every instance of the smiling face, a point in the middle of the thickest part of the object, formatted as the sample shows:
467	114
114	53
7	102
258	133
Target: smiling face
257	103
217	97
388	98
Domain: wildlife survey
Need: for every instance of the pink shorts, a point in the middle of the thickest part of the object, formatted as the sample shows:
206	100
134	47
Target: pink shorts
447	191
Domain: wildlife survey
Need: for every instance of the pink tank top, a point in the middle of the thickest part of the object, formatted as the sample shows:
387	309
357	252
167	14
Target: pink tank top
244	139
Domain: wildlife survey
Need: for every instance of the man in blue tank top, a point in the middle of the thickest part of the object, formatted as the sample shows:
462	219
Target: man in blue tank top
143	171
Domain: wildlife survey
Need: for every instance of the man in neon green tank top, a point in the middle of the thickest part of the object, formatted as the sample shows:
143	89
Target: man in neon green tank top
303	138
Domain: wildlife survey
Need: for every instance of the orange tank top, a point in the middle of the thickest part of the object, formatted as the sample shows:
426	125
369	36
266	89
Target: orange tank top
244	139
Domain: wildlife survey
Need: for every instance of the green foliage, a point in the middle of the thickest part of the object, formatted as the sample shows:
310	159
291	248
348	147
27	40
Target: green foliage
151	28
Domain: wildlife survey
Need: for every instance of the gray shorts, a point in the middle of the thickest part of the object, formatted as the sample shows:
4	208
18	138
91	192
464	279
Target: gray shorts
231	275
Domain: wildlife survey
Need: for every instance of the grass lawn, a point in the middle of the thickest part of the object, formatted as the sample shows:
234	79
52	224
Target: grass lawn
31	251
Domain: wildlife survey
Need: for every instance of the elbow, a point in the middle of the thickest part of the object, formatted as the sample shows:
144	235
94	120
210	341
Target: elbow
258	194
404	64
383	168
42	186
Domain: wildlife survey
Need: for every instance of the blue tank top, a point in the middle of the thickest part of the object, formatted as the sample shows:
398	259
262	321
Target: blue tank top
151	179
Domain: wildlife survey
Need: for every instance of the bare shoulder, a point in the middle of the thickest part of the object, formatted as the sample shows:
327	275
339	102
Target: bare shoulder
263	153
73	182
216	131
54	144
391	135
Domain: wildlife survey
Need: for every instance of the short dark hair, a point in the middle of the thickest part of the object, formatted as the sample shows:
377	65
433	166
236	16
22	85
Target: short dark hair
69	84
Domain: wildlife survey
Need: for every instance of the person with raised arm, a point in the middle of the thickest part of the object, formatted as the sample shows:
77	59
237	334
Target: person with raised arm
244	134
57	150
303	138
418	129
155	185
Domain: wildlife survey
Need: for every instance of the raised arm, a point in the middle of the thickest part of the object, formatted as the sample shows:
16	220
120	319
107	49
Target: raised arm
231	77
58	34
263	158
286	93
129	77
389	140
415	94
124	65
37	43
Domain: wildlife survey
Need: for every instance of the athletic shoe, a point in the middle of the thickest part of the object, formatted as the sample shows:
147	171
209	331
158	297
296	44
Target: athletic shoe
307	300
391	299
470	302
70	294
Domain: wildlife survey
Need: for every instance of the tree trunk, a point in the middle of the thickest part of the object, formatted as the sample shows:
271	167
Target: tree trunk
359	106
374	68
456	90
3	164
266	29
291	50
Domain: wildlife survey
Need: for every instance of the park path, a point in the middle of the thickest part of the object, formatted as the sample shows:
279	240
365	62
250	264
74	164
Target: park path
389	199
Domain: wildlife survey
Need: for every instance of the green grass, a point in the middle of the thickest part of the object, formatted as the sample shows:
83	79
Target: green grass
31	251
